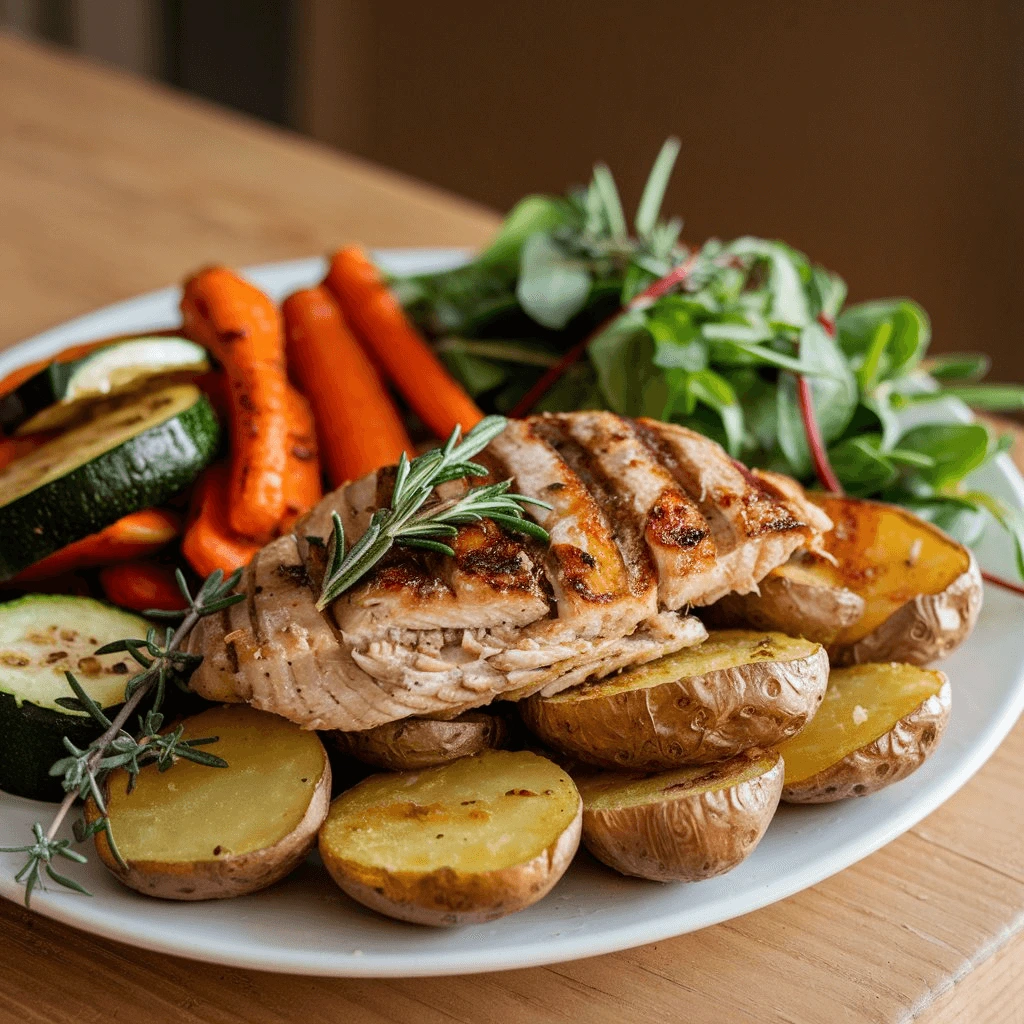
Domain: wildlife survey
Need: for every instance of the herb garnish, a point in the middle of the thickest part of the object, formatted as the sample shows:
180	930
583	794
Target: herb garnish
748	339
409	523
84	771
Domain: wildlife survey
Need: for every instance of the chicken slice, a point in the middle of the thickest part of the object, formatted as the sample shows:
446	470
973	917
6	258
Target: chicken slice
585	567
676	534
754	529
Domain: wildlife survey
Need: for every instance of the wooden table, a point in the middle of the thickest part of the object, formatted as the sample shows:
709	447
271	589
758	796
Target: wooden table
109	187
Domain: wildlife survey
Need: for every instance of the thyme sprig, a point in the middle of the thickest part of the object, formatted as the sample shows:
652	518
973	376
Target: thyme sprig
84	771
409	523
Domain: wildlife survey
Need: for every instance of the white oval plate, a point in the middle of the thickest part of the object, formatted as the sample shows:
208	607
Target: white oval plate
306	925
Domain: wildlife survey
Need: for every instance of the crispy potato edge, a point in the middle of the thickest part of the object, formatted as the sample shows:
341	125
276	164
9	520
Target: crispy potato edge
891	758
410	744
687	839
925	629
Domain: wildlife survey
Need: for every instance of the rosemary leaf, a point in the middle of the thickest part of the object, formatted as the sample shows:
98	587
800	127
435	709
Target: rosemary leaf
409	523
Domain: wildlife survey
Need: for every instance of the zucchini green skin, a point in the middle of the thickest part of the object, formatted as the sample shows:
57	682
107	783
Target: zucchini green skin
45	388
162	460
31	740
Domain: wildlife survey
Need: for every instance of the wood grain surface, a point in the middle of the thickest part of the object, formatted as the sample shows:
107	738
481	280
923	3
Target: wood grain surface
109	187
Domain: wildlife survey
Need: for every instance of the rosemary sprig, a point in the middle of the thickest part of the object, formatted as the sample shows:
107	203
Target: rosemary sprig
85	770
407	522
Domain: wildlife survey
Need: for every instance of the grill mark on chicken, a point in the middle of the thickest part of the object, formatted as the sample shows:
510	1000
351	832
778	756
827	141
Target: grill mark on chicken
670	522
664	453
487	554
719	483
618	515
788	492
761	509
675	533
584	564
752	529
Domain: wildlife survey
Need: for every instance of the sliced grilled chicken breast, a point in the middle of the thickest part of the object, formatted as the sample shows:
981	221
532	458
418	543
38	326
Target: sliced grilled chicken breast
646	519
753	525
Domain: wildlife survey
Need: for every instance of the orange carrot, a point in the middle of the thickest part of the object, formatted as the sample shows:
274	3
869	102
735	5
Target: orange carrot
142	586
303	486
382	326
140	533
209	542
242	328
356	421
12	448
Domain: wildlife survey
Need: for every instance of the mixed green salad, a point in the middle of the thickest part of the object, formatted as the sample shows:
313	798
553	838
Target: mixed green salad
563	311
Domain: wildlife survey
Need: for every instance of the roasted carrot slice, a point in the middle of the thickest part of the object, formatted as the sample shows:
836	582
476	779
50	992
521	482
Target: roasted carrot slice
140	533
242	328
357	424
142	586
381	325
209	542
303	484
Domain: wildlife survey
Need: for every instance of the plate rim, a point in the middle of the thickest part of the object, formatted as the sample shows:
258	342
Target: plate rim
492	957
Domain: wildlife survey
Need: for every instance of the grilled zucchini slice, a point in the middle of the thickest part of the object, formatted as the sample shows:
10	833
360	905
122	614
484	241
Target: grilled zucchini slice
129	458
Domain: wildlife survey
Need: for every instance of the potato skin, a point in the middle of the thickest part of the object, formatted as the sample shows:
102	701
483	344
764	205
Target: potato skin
414	743
796	608
925	629
448	897
687	839
892	757
226	877
695	720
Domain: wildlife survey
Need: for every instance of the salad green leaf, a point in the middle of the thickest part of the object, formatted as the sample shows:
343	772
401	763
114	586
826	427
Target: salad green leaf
718	351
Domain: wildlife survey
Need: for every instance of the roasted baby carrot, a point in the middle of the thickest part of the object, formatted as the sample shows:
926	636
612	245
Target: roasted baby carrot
242	328
140	533
381	325
303	485
357	424
142	586
209	542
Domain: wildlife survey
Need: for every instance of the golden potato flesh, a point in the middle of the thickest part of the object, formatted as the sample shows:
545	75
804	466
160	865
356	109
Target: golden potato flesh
197	832
876	725
737	690
891	587
684	825
921	589
468	841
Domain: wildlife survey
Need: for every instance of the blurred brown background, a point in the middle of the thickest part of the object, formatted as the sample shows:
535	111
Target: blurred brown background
884	139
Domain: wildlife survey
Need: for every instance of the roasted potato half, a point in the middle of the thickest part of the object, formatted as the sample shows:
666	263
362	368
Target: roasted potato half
737	690
876	725
684	825
919	590
198	833
800	598
464	842
414	743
